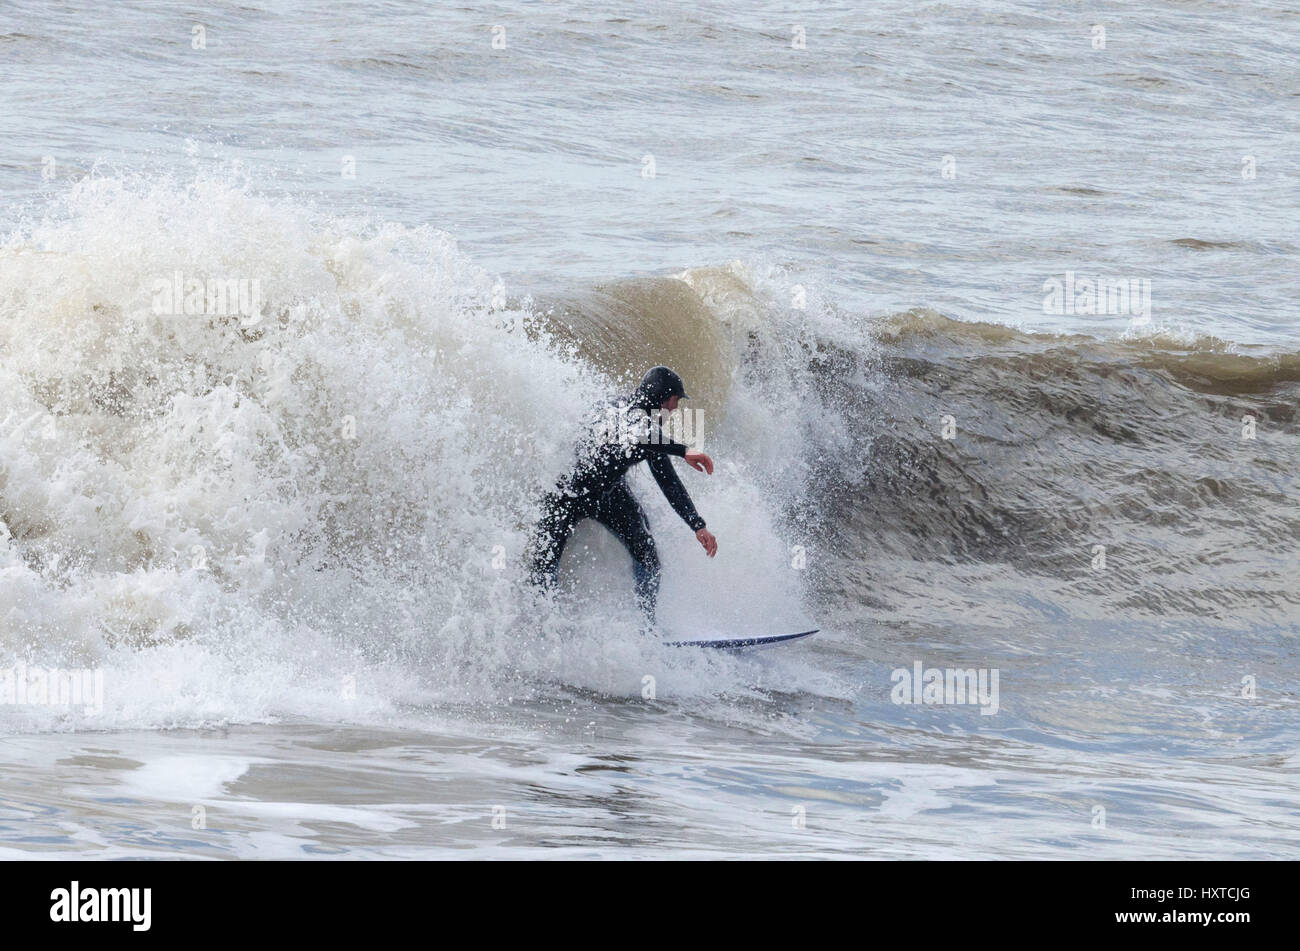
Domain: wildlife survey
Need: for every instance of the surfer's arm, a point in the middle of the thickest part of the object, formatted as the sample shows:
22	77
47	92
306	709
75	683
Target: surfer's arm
657	450
674	491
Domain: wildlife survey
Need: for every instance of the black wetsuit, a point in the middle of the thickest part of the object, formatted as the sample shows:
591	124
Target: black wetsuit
595	488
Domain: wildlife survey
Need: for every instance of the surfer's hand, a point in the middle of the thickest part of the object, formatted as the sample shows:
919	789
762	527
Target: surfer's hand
699	462
707	540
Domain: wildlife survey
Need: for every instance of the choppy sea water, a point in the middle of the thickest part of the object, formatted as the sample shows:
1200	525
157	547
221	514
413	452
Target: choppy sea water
286	537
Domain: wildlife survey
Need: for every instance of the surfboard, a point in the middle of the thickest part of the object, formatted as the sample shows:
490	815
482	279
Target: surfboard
736	643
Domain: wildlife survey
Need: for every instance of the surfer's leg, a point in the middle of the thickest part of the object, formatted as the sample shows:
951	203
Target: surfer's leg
548	539
620	513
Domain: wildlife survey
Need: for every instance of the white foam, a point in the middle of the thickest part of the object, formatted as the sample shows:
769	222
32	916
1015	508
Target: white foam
301	517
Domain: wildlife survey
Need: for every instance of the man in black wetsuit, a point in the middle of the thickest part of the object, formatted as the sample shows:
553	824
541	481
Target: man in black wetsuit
595	487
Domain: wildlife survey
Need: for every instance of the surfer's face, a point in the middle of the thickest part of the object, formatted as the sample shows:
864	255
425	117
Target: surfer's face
670	404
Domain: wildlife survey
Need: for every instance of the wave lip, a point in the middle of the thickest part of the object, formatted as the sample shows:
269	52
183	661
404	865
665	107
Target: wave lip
1200	362
1084	478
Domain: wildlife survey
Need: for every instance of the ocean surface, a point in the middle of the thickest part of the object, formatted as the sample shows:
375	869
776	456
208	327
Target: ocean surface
987	312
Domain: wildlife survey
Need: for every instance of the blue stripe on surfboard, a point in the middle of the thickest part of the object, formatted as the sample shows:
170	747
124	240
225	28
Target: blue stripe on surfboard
732	643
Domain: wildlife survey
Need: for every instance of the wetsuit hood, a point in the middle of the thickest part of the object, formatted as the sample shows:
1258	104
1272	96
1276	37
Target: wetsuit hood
658	384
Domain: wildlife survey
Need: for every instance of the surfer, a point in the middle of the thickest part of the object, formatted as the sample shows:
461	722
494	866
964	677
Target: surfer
595	486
